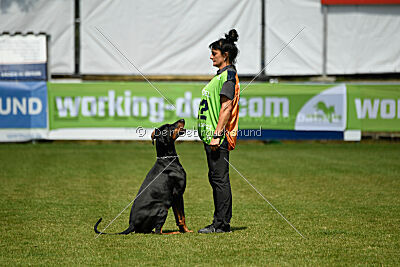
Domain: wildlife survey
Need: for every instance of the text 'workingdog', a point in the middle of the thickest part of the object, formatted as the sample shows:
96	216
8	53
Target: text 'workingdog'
162	188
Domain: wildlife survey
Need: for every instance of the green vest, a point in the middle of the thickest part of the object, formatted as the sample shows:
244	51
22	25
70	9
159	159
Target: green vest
210	107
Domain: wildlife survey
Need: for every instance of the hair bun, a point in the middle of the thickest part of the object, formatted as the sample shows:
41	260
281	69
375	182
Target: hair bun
232	36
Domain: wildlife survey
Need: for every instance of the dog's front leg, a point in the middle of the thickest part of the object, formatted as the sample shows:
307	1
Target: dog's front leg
158	229
179	212
160	232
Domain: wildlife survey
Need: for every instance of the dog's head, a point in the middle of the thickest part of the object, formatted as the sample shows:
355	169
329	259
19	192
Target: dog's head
168	133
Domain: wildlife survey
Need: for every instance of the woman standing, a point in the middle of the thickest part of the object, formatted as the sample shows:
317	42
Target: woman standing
218	124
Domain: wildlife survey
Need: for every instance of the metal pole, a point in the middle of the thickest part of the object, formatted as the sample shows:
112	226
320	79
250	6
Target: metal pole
263	54
48	78
325	39
77	37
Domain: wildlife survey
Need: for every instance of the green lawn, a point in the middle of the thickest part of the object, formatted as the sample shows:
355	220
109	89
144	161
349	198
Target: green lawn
345	198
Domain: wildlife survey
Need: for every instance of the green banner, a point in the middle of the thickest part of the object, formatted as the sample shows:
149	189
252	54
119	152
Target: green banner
334	107
374	108
113	104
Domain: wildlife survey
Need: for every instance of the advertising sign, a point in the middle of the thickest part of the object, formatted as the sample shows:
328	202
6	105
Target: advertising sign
23	57
103	108
291	107
23	111
374	108
130	111
325	111
23	105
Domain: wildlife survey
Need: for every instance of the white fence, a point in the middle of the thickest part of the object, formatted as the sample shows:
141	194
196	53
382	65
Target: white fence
171	37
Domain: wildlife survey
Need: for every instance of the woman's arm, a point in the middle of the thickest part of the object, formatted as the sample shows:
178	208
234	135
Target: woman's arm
224	115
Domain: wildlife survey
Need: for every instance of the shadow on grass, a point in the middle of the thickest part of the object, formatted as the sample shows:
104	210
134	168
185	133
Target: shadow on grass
169	231
234	229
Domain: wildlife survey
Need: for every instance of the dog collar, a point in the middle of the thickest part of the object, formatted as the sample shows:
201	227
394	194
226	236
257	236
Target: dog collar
167	157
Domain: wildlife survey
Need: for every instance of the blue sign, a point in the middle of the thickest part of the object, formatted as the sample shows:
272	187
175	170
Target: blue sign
36	72
23	104
262	134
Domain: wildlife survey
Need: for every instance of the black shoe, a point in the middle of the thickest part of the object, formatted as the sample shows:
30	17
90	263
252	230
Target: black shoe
207	230
211	229
225	229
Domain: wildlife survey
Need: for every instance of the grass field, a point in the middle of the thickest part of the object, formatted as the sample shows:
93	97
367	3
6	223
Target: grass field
345	198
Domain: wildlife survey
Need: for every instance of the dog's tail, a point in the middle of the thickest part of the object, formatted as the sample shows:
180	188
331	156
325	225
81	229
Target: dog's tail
127	231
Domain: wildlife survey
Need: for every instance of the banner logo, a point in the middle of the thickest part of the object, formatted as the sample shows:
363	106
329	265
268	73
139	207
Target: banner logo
325	111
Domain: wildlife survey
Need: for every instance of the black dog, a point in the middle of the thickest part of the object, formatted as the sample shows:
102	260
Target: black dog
162	188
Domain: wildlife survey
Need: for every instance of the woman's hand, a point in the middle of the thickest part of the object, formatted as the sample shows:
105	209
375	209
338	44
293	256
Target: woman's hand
215	143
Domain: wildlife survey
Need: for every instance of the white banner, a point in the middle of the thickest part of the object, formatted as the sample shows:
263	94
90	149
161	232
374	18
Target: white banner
23	57
360	39
363	39
55	18
22	49
284	19
167	36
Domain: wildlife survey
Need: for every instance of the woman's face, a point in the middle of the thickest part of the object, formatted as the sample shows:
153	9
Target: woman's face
217	58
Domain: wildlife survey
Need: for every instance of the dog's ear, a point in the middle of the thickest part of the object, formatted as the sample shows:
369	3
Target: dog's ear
154	134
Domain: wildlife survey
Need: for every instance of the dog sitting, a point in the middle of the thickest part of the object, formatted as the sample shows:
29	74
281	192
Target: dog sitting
162	188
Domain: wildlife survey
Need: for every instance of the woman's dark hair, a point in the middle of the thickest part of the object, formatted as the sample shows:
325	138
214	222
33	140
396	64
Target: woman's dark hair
227	44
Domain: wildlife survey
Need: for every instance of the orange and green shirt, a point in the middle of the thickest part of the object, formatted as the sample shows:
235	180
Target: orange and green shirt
226	83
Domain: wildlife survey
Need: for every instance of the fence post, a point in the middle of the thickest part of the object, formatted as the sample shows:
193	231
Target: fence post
324	39
77	22
263	54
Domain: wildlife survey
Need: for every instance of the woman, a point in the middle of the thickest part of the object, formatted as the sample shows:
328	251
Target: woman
218	124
